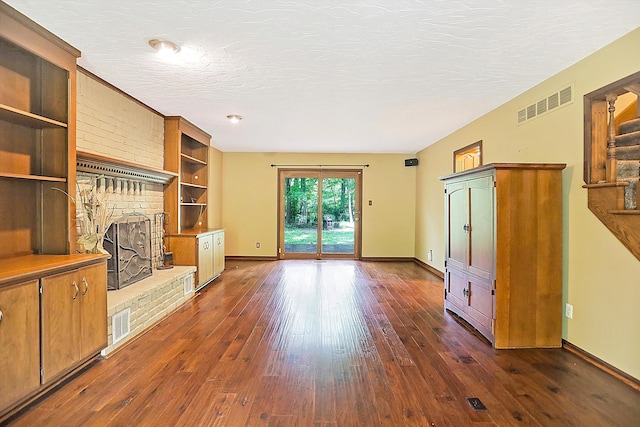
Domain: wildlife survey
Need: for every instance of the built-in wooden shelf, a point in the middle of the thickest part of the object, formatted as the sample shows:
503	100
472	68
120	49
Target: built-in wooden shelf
32	177
192	159
25	118
188	184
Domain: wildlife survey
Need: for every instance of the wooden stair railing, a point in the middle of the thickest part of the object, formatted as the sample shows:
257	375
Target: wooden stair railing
612	162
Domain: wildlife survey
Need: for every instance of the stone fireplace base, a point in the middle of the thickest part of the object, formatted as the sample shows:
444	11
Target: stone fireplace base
146	302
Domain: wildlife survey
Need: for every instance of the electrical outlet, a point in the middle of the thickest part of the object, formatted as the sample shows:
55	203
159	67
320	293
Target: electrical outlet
430	255
258	245
568	310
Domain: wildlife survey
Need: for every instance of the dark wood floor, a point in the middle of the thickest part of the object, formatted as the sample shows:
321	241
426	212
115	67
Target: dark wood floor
340	343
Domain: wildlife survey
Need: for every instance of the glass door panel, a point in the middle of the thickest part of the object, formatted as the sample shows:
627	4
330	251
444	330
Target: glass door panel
301	215
319	214
338	215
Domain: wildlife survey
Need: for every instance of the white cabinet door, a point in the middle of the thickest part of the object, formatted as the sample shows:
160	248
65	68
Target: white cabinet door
205	259
218	253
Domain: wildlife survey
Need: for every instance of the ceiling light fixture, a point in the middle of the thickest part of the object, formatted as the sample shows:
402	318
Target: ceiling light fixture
234	118
164	46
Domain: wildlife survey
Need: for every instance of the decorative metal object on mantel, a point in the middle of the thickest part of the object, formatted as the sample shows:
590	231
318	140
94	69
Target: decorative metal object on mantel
161	222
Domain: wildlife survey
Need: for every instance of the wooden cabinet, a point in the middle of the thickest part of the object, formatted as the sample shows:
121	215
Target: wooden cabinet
185	199
19	341
74	318
37	168
53	321
204	249
503	252
37	138
186	154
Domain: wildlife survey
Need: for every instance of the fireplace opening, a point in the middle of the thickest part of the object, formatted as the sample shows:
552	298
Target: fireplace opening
128	240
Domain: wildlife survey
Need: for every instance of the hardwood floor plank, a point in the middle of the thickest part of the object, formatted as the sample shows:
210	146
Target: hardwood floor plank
329	343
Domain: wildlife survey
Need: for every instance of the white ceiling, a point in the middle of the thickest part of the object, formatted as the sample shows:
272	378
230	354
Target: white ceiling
376	76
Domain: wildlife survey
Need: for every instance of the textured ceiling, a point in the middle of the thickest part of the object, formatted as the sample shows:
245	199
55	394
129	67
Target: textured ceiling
377	76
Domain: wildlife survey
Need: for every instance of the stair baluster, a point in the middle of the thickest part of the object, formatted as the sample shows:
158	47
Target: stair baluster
612	163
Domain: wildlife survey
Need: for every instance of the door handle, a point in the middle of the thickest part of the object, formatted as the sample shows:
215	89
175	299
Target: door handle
86	286
75	285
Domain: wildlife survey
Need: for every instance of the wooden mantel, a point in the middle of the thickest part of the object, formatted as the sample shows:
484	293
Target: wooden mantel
94	163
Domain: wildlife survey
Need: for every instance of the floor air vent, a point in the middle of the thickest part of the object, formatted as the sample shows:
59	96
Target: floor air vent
546	105
121	325
476	404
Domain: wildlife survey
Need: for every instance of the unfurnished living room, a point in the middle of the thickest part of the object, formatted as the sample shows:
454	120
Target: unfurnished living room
297	213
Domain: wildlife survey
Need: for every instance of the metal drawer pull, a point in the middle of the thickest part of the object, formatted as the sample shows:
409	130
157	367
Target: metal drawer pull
1	315
86	286
77	290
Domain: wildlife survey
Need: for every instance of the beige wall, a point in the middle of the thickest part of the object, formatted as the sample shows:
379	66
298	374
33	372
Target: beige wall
250	195
601	278
214	202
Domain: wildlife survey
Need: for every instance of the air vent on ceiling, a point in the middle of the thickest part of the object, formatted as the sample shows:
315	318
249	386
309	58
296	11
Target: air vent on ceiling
557	99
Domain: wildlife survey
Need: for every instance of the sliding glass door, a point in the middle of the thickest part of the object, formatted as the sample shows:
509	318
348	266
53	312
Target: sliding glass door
319	214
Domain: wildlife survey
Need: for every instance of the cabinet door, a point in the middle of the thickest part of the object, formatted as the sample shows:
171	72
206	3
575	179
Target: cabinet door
205	259
19	342
456	285
218	256
480	309
60	317
481	227
457	208
93	311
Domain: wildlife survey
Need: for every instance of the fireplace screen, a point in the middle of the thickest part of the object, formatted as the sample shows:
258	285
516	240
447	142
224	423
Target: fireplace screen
128	240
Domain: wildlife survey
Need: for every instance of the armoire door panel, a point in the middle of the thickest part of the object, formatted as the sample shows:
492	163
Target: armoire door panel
480	303
481	243
457	247
457	284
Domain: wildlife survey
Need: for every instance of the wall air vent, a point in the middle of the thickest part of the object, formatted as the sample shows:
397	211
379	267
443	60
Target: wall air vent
565	95
121	325
188	284
557	99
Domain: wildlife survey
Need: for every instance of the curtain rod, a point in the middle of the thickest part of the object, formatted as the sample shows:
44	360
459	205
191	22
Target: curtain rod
364	165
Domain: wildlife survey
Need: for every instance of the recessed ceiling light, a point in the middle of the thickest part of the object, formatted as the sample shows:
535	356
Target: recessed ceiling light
164	46
234	118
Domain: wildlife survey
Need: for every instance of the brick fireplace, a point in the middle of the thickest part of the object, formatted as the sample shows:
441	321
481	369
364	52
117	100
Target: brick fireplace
120	144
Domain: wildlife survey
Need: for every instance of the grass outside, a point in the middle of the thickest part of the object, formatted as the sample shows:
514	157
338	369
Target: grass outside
337	236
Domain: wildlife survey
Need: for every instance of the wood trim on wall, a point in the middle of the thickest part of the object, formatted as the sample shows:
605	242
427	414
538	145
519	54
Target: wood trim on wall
250	258
601	364
429	268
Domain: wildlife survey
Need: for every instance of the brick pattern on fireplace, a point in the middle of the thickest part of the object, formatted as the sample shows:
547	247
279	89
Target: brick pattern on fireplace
149	300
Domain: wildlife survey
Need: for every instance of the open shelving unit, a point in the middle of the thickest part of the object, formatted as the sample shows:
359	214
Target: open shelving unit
52	300
190	239
37	144
187	155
